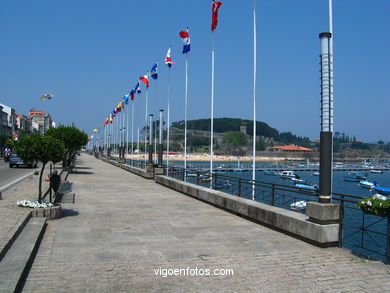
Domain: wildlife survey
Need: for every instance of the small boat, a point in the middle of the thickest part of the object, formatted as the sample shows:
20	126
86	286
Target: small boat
297	180
298	206
316	174
287	174
271	173
223	185
307	187
382	190
206	178
376	171
191	175
351	179
367	184
360	176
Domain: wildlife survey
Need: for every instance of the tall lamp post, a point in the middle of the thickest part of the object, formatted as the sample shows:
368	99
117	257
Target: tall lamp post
326	135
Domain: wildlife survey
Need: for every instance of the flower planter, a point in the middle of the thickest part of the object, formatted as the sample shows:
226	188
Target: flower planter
51	213
380	213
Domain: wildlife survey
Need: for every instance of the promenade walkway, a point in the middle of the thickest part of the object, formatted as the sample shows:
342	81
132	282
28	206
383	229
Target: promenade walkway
123	228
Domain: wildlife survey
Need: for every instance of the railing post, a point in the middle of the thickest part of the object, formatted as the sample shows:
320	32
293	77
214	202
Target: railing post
214	186
197	177
239	187
341	224
184	174
388	241
51	171
273	195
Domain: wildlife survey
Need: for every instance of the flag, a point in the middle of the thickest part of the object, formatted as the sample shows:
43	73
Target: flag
106	122
118	107
186	41
132	94
153	71
111	118
168	60
96	130
145	80
126	99
137	89
214	14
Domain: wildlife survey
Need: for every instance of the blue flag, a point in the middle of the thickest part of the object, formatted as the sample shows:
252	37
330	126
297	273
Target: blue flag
153	71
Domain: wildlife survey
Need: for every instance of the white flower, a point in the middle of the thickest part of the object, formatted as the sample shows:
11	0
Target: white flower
34	204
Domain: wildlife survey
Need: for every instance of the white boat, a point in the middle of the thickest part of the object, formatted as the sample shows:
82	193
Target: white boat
376	171
287	174
367	184
296	180
316	174
298	206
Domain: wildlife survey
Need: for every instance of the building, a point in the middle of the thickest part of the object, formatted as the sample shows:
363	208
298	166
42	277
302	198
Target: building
8	120
291	148
39	121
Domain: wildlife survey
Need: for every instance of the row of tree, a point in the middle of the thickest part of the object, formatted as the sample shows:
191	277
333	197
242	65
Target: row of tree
56	145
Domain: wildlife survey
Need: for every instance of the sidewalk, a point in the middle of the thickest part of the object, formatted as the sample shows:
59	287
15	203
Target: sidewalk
123	228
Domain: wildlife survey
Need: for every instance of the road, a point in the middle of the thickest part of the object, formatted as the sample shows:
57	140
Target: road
8	174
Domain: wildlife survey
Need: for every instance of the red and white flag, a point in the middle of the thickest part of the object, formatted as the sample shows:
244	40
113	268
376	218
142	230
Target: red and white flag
214	14
145	80
168	60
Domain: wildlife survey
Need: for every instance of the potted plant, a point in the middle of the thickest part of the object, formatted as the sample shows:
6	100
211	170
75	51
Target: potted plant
377	205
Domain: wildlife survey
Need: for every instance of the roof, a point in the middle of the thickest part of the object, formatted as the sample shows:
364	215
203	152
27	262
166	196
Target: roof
20	116
35	112
292	148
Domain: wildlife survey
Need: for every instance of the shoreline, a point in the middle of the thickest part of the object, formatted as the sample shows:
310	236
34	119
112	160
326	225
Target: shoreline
217	158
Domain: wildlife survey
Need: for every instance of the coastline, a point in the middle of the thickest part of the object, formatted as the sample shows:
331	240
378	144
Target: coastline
217	158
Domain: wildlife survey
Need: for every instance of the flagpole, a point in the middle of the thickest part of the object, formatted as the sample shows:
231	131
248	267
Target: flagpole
212	103
254	99
146	119
132	129
124	129
155	125
138	142
169	93
185	117
127	132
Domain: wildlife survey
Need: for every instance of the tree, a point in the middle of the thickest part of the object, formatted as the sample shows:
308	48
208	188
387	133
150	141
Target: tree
37	147
72	138
260	145
235	138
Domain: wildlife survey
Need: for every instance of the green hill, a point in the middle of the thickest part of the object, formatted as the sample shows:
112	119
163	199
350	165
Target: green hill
223	125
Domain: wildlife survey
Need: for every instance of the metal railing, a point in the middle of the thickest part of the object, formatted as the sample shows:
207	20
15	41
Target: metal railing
364	234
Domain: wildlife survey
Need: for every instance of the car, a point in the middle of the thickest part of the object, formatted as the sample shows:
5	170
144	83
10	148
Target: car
14	160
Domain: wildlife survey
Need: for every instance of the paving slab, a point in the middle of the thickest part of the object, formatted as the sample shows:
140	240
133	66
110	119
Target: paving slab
125	233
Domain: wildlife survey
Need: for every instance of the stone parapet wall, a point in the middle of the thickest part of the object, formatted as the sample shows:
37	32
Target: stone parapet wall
290	222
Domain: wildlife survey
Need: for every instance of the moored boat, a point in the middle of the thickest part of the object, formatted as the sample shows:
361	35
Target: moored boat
367	184
307	187
299	205
382	190
287	174
351	178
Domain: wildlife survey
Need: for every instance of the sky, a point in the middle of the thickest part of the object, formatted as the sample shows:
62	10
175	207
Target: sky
90	53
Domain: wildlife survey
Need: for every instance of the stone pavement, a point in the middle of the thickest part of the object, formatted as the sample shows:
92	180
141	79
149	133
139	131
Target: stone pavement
123	228
12	216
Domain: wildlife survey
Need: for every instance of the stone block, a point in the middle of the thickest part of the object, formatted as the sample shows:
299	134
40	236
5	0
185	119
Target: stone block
323	213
